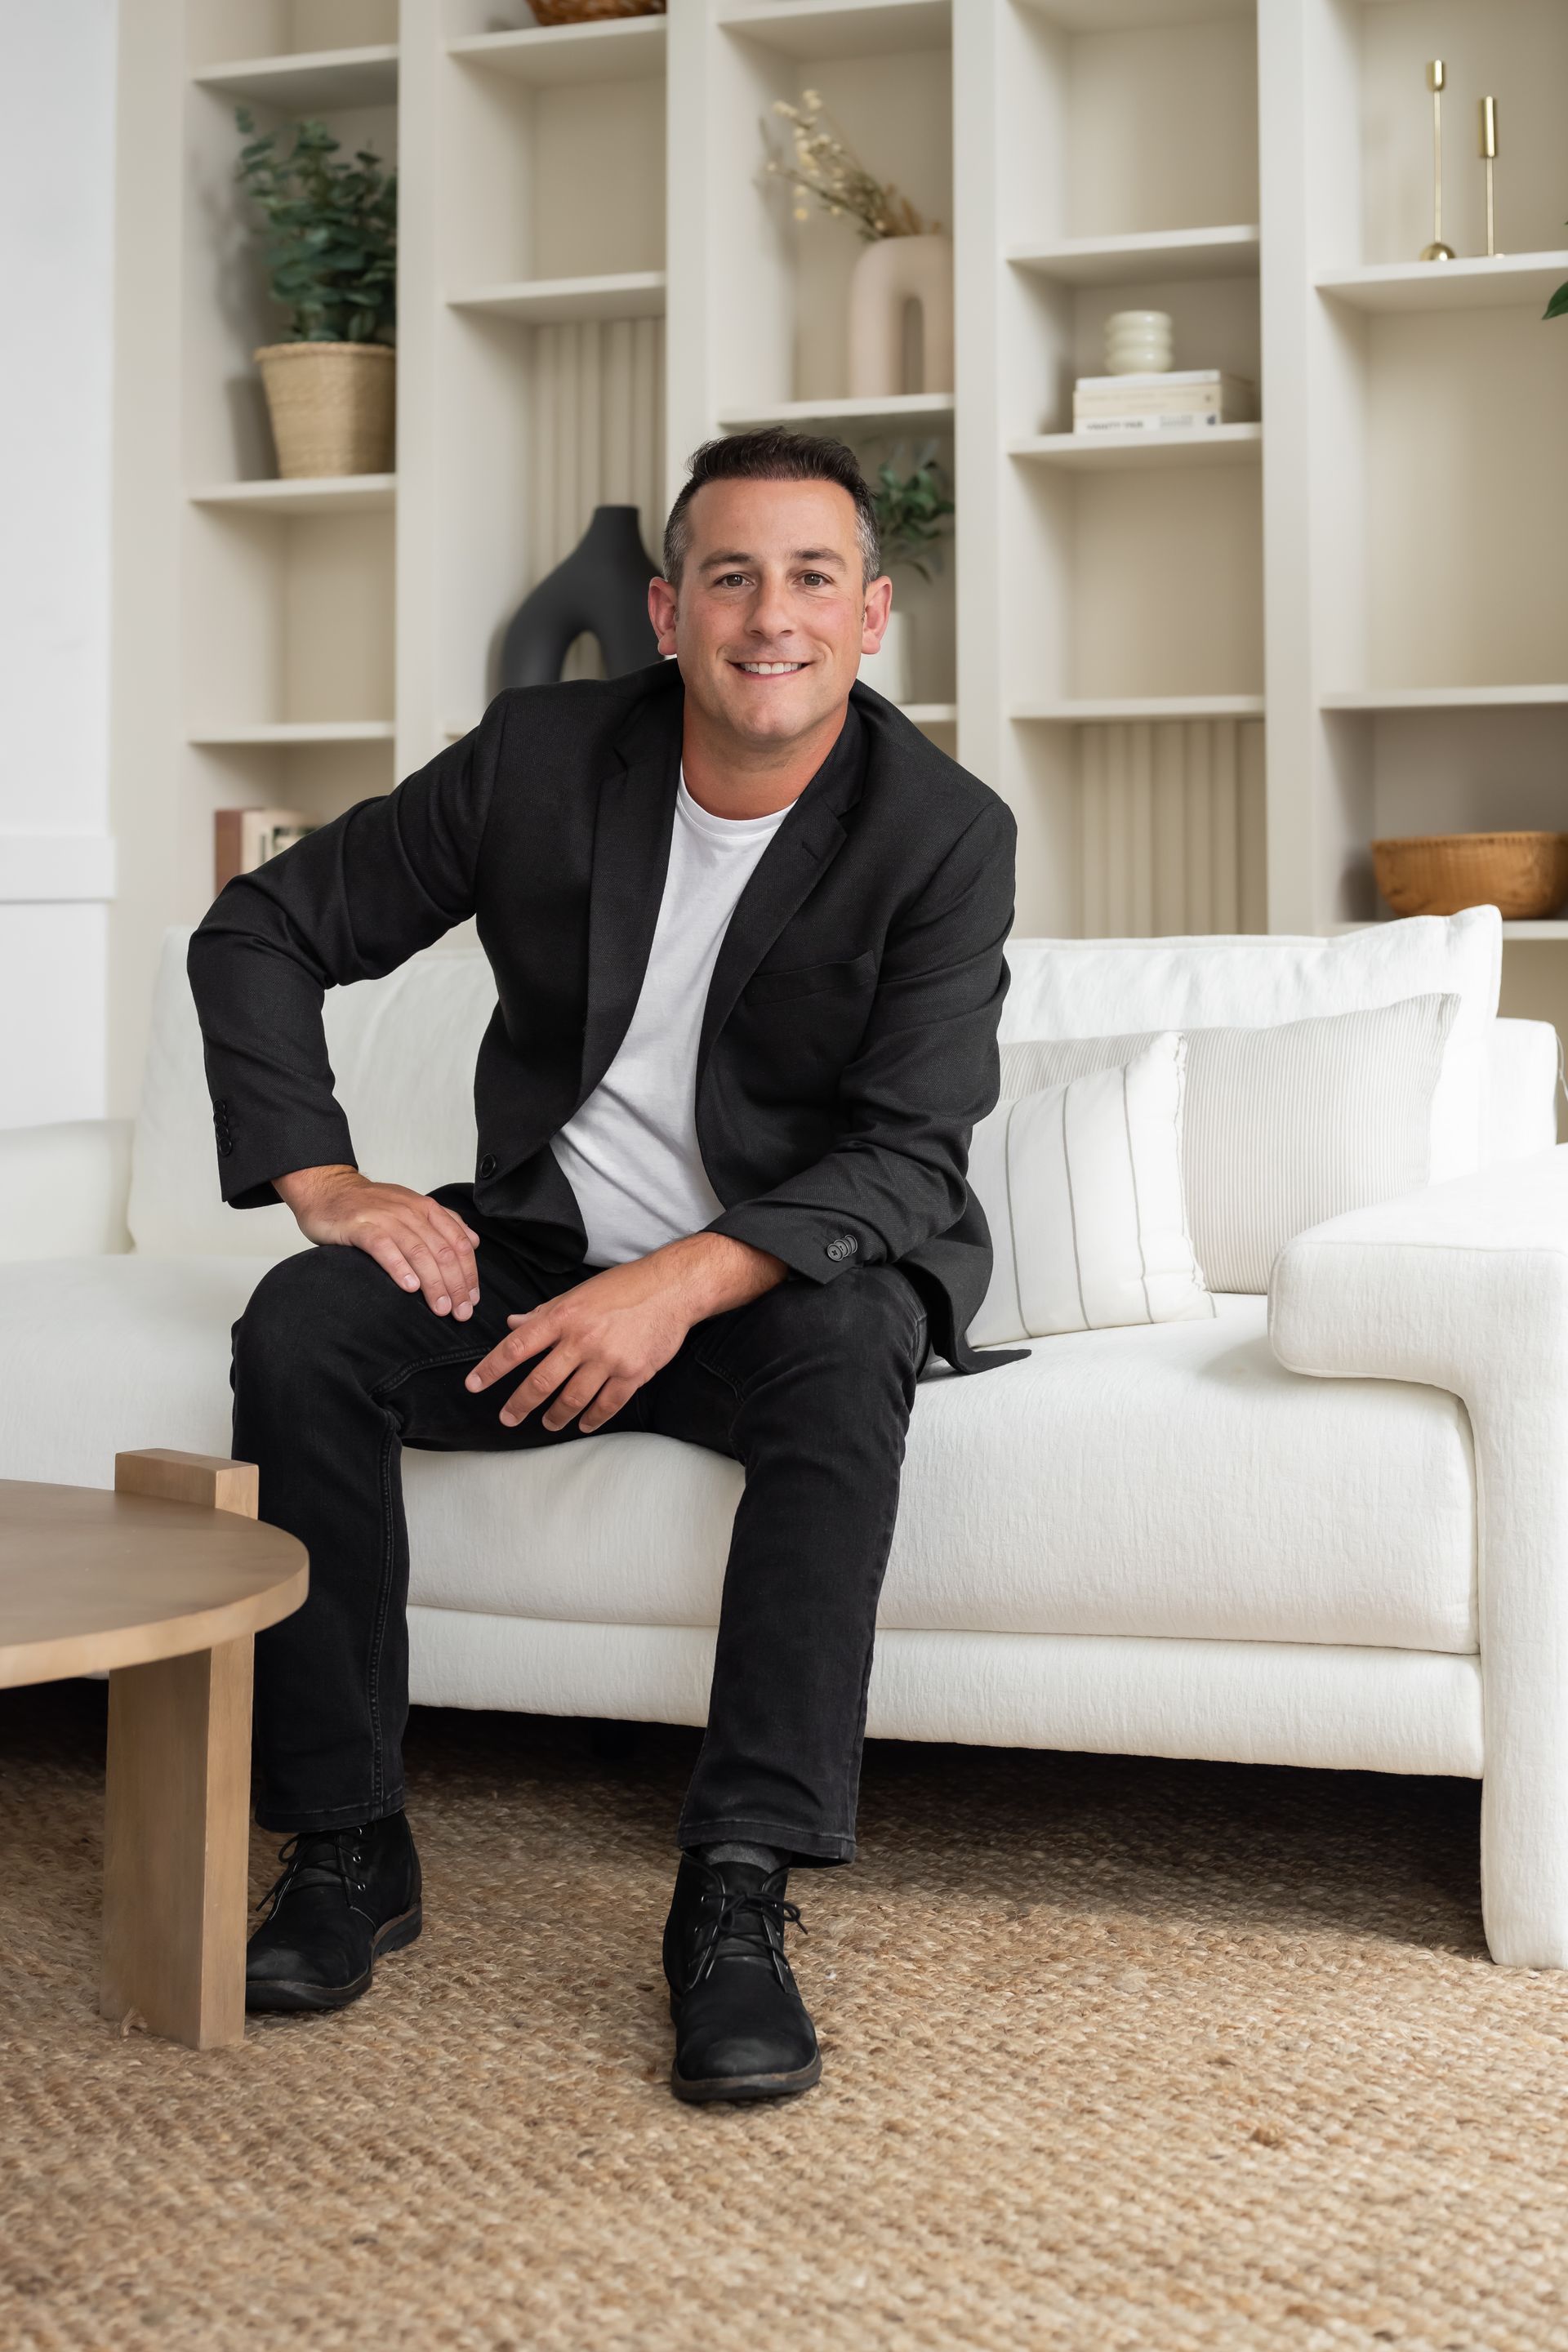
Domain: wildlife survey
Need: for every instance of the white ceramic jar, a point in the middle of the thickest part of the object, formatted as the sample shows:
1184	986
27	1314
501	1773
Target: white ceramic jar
1138	342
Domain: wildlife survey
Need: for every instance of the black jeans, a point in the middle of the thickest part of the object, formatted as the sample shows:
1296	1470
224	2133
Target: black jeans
809	1388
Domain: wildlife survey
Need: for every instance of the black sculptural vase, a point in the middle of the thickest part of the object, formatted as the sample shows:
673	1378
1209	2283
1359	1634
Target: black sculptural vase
601	589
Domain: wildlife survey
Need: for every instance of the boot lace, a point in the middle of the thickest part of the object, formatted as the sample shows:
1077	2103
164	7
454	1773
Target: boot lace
752	1923
317	1858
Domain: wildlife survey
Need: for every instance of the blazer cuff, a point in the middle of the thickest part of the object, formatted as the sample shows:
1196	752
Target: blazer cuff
813	1245
248	1161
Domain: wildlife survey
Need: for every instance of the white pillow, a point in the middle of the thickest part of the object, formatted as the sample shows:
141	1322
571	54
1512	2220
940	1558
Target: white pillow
1283	1126
1098	988
1082	1185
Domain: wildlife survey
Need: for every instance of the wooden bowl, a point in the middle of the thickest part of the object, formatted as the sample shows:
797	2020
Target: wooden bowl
593	12
1524	874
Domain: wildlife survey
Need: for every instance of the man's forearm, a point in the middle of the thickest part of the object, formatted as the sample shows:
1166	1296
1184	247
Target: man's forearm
716	1273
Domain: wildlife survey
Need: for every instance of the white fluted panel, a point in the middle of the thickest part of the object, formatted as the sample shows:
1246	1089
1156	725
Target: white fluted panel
1171	829
597	439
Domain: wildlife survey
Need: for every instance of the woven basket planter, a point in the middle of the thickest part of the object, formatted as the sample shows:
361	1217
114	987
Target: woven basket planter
332	406
593	12
1524	874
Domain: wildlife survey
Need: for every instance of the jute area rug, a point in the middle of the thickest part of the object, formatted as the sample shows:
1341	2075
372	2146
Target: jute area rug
1119	2054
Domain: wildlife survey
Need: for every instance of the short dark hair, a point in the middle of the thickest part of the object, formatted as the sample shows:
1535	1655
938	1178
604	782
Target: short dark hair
774	455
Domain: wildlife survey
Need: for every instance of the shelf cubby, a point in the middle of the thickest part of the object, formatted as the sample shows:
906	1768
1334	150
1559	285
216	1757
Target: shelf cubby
550	176
885	75
1152	125
289	623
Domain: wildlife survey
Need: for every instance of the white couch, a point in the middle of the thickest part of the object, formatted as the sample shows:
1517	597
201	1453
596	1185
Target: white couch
1163	1540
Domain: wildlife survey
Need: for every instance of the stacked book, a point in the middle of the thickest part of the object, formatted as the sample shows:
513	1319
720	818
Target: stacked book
244	838
1177	401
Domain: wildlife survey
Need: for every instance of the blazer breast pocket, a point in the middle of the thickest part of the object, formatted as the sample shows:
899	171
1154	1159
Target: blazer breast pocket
855	978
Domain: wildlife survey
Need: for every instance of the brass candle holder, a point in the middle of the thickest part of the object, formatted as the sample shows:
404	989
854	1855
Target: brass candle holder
1488	157
1437	75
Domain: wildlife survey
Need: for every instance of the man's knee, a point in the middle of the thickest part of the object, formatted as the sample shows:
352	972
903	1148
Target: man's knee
304	1304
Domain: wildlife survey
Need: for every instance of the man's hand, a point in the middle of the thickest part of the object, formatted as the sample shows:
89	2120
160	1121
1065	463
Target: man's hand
422	1245
598	1343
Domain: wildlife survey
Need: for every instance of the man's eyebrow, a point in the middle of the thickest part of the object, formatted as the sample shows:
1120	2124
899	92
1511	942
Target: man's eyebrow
798	555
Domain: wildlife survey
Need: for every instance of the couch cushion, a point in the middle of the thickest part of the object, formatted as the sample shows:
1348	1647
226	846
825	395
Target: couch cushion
1172	1480
403	1048
1092	988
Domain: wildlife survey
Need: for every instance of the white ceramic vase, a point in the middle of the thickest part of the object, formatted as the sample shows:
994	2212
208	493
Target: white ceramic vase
890	274
1138	342
890	669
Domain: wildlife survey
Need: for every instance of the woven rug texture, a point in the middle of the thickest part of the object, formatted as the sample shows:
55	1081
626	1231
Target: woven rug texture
1118	2054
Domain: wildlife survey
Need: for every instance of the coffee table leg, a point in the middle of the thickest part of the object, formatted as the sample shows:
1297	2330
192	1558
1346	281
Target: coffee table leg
177	1807
176	1838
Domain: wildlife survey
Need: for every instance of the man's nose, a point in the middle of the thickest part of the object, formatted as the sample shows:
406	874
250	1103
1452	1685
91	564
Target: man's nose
770	616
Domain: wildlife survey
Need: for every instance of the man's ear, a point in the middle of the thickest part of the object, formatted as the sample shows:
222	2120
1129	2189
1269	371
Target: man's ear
662	601
878	605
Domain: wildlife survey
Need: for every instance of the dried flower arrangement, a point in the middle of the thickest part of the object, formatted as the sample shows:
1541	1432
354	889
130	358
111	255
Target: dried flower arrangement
821	163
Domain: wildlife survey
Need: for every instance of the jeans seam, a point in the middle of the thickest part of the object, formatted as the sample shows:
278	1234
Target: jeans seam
381	1393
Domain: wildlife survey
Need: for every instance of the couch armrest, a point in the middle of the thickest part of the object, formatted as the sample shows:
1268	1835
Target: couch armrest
63	1190
1465	1287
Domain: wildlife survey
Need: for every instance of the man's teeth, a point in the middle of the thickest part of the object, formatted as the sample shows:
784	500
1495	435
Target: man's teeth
770	669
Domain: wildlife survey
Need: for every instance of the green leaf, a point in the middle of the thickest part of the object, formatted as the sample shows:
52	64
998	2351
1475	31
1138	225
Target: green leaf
1558	306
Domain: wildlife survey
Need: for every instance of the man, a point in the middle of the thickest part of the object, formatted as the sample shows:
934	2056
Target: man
747	929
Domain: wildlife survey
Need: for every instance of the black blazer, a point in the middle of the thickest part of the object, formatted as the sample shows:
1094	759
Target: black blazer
849	1039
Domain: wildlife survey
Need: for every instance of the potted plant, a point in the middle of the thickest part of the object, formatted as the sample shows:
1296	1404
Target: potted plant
914	516
331	250
907	259
1558	306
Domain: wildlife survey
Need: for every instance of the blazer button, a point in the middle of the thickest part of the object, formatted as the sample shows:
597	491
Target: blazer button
842	1246
488	1164
224	1146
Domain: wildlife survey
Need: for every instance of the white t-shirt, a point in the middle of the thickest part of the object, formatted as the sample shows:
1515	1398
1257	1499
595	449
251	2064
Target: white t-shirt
630	1154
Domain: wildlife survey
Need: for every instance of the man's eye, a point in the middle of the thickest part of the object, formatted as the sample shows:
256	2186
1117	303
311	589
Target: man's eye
815	580
731	579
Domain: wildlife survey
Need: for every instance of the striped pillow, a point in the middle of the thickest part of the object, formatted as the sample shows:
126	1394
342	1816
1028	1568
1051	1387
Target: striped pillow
1285	1126
1082	1185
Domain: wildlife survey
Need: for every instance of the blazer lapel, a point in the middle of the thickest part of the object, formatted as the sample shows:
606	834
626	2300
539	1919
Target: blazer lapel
632	829
810	837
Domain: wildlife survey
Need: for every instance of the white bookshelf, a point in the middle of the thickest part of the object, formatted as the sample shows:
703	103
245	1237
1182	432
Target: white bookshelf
596	275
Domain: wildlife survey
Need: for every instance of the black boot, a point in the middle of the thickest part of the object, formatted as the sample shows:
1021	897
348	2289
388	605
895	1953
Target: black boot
741	2030
344	1897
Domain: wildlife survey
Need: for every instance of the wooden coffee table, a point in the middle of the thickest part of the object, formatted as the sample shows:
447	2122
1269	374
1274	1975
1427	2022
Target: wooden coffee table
164	1582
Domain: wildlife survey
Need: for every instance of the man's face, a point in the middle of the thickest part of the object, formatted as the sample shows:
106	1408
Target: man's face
773	615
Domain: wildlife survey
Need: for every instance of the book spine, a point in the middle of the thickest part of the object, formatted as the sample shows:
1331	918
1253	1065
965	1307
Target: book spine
1179	420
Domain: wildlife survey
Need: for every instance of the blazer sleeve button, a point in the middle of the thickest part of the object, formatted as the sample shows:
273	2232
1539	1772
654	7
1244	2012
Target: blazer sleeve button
843	1245
488	1164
